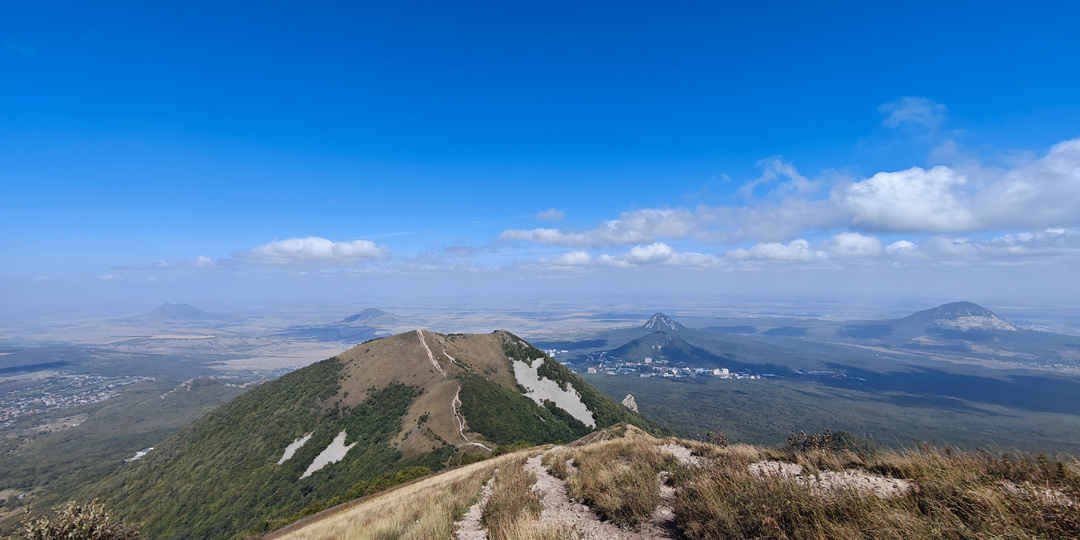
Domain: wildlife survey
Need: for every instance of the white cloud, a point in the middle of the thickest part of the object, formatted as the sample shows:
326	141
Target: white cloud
851	245
1043	193
651	254
902	248
1061	245
573	258
203	262
775	168
636	227
316	251
796	251
946	210
551	214
911	200
1013	239
657	253
913	110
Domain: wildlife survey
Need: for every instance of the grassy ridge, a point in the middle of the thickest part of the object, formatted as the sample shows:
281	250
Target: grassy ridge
219	476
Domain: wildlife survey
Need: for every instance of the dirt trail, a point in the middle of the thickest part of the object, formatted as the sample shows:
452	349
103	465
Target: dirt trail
469	528
681	453
455	405
559	510
430	356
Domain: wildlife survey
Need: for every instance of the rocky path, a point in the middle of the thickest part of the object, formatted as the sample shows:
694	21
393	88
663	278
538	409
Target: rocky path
564	513
431	357
469	528
560	511
681	453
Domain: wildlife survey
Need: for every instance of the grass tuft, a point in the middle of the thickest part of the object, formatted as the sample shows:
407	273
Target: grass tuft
512	501
619	479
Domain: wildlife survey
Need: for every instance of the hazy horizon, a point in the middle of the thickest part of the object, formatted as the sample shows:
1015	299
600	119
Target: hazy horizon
392	156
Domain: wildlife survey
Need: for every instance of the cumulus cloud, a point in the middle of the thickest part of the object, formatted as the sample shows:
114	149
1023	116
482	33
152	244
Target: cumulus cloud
657	253
1039	194
902	248
573	258
1018	248
551	214
945	212
851	245
1042	193
315	251
798	250
636	227
915	199
913	110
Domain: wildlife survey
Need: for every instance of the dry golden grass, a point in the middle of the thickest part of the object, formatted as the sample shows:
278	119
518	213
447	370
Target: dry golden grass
957	495
512	500
513	511
618	478
526	528
423	510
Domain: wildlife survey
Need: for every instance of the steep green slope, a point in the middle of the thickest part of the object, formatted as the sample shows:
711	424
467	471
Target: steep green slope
219	476
606	411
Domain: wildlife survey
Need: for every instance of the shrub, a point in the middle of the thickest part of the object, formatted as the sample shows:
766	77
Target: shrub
74	521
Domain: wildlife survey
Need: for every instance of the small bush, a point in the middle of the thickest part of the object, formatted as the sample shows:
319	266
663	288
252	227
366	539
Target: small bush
74	521
718	438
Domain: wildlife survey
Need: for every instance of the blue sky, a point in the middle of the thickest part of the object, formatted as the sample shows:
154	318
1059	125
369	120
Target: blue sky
276	151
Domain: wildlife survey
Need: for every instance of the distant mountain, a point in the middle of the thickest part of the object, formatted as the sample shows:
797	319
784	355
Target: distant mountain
371	317
661	346
178	313
379	413
663	323
368	324
960	316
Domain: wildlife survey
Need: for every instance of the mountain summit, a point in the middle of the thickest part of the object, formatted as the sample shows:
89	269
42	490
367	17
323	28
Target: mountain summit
661	322
962	316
